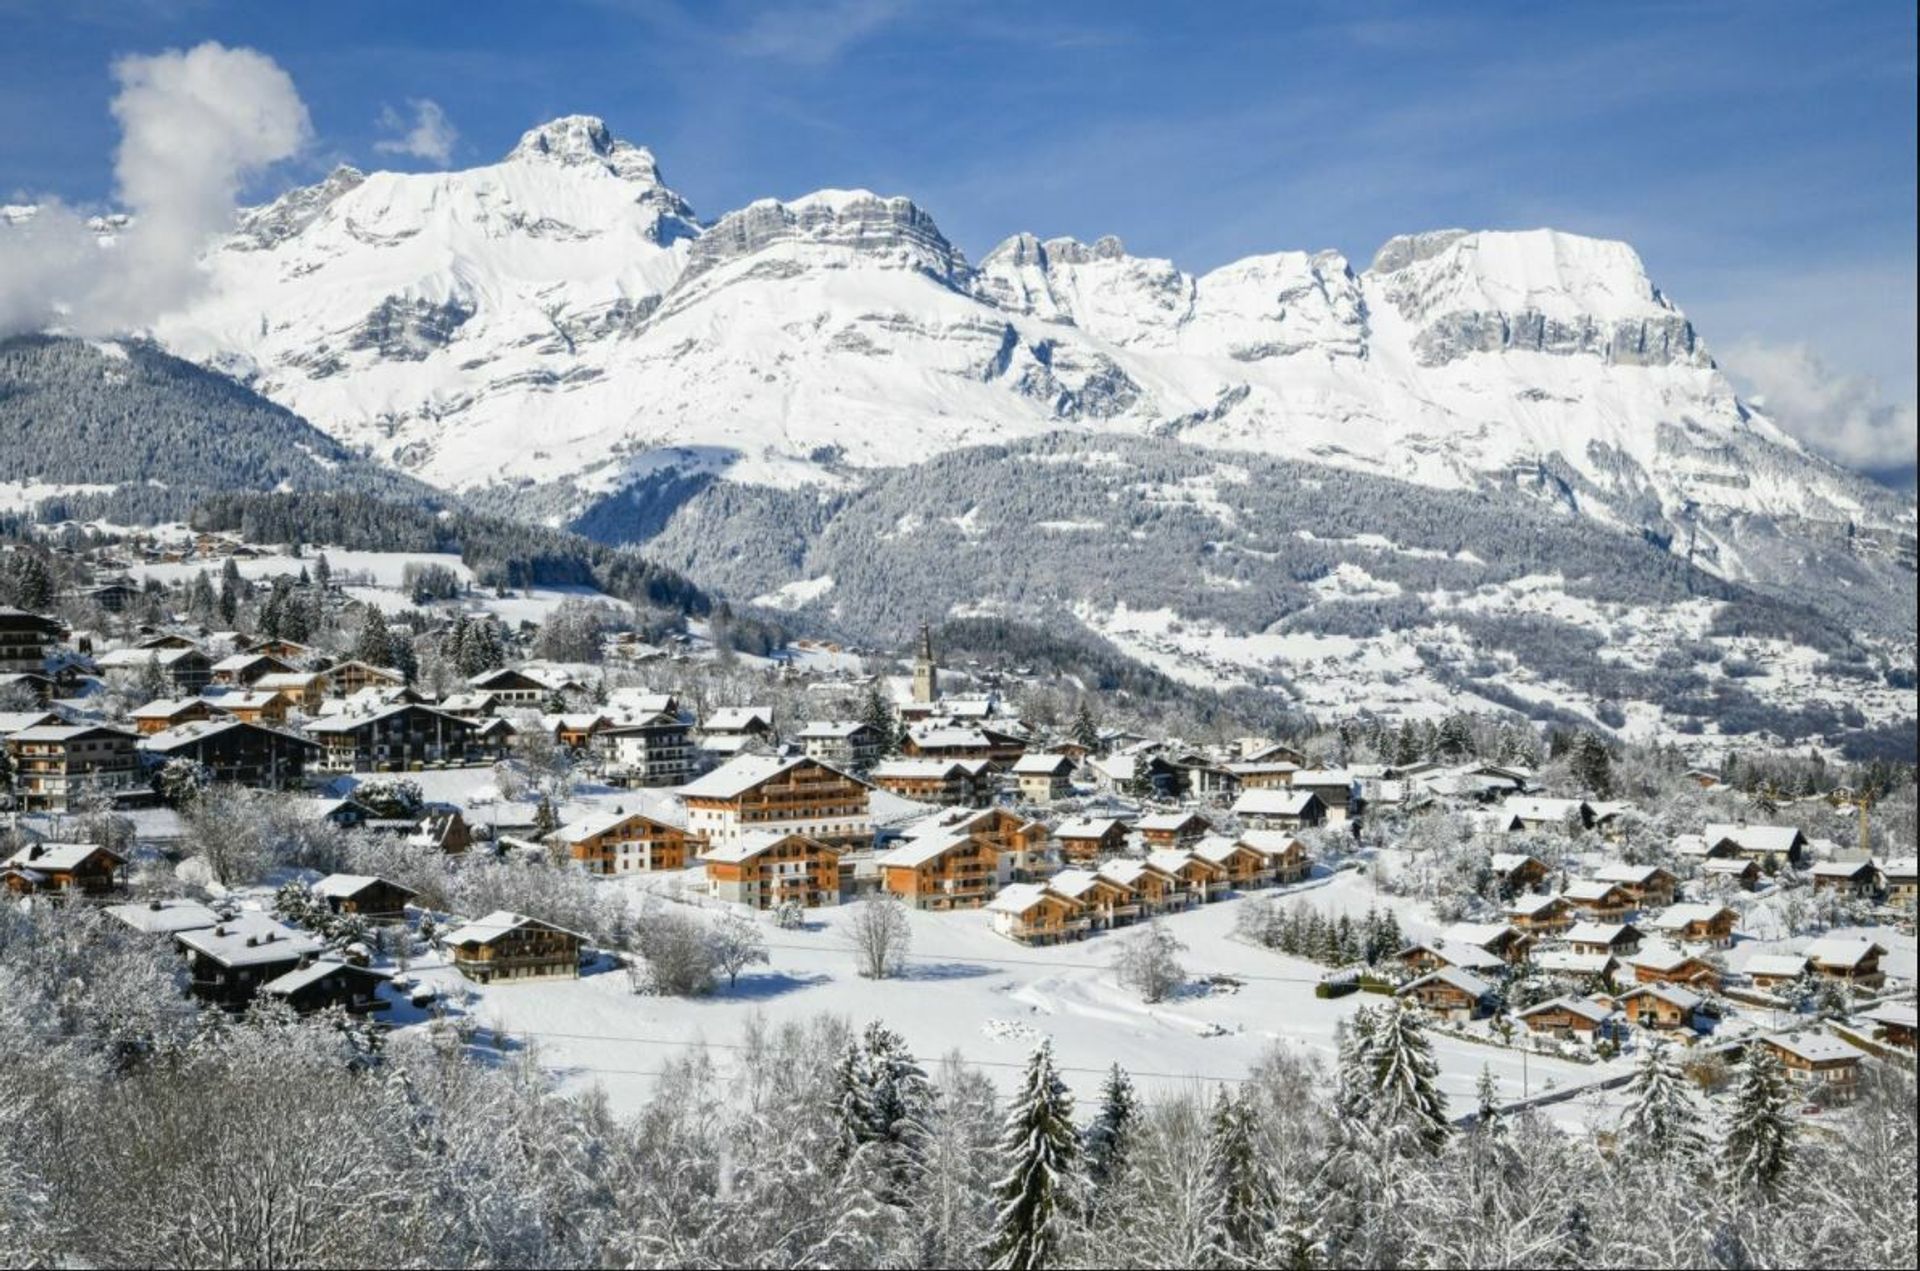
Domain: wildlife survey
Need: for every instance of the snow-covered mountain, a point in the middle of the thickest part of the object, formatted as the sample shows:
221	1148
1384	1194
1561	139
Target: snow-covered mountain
560	320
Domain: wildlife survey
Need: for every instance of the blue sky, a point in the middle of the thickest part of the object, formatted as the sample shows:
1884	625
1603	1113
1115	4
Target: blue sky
1761	156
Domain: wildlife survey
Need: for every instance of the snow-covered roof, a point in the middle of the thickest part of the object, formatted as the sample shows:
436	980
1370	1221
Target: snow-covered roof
1507	862
1533	904
1771	839
1684	998
1816	1048
1271	842
916	769
915	852
1089	827
1075	883
57	858
1017	898
1585	1008
1538	808
1776	964
1465	981
1842	869
1842	950
1607	933
249	939
347	886
734	719
1168	822
1677	917
164	917
1479	935
832	729
1630	875
1274	801
736	777
496	924
1592	890
1042	765
1574	963
293	981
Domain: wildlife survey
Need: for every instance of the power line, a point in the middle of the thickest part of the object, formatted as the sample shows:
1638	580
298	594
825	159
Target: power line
684	1043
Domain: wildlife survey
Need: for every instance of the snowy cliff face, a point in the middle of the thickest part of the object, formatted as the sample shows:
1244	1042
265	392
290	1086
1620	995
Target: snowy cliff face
560	320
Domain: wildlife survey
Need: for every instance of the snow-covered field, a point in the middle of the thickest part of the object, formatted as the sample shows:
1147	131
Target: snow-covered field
969	991
376	577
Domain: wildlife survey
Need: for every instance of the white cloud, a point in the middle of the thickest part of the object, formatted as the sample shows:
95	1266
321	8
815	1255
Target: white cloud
430	135
1845	417
814	35
194	125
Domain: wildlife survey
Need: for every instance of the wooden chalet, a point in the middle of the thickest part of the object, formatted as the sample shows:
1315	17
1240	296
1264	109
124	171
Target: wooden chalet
1695	924
1575	1018
1667	965
944	870
365	896
235	751
623	843
1154	889
229	961
1279	808
1769	846
761	794
1091	839
171	712
325	983
1849	878
241	670
1599	901
767	869
1032	914
650	750
346	679
1105	901
945	782
1648	886
304	691
400	738
85	869
506	947
26	639
1820	1063
53	763
1247	867
1772	972
1203	880
1853	960
1173	829
1518	871
1615	939
1042	778
1449	993
1287	858
847	743
1660	1007
1541	915
1893	1023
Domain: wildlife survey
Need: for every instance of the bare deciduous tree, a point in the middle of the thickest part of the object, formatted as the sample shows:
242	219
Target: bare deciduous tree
880	934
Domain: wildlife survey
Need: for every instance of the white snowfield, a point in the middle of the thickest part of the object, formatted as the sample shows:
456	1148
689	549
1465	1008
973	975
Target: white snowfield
970	991
560	315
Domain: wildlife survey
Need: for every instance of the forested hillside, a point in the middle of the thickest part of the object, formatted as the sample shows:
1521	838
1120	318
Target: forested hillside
76	412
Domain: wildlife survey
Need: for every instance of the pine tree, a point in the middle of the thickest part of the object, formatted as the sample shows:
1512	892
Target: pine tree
1456	738
1407	1105
1662	1120
1592	766
1759	1138
875	714
1086	729
1486	1119
374	645
1240	1180
1110	1137
231	588
1041	1150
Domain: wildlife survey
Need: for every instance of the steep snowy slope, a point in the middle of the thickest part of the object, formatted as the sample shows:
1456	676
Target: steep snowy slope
559	324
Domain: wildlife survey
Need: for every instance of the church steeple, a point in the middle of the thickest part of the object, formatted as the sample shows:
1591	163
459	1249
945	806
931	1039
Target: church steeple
926	672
